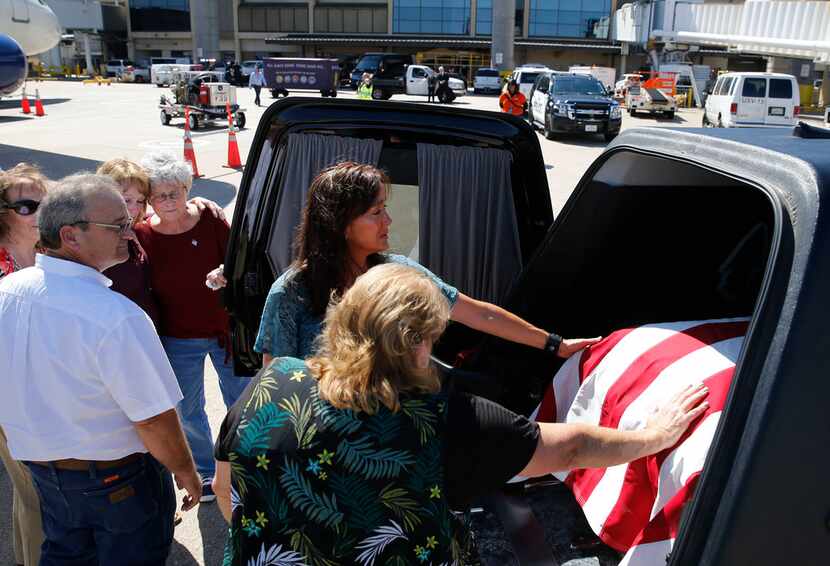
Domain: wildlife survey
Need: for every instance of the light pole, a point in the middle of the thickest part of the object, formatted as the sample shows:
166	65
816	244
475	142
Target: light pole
504	24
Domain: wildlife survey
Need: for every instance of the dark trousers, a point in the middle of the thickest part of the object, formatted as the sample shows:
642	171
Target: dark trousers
256	94
120	516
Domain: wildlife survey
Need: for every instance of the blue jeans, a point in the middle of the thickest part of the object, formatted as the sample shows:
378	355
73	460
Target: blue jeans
187	357
89	518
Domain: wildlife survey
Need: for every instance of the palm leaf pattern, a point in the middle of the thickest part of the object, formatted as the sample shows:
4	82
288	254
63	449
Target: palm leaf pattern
359	498
359	456
254	437
385	426
304	545
423	419
320	508
402	505
261	389
276	556
236	501
427	469
302	417
336	420
374	545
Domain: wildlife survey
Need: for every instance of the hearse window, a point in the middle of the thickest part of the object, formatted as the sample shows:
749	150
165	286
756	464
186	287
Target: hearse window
453	212
754	88
780	88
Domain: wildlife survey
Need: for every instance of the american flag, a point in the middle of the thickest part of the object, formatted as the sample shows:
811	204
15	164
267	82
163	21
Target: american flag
636	507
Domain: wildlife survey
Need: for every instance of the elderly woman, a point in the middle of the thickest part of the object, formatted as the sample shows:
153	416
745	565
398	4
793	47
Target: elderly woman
345	231
354	457
132	278
21	189
184	245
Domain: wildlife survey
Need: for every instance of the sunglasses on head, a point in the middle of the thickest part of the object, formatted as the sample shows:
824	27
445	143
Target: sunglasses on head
23	207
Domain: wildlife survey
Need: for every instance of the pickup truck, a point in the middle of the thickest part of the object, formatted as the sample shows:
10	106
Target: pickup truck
628	248
414	80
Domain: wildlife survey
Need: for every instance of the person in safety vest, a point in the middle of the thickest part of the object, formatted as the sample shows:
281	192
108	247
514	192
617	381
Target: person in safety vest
512	100
364	90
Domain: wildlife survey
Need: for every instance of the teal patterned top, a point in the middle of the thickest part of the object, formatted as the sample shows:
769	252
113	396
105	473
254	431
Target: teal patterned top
288	327
315	485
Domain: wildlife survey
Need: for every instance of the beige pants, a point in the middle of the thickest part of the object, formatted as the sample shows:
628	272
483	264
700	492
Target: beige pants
28	531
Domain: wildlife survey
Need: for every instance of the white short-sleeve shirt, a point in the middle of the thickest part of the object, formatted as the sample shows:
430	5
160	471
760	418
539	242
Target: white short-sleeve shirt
79	364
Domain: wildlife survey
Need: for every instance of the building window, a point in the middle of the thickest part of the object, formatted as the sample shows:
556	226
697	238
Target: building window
439	17
160	15
350	19
484	17
585	19
273	19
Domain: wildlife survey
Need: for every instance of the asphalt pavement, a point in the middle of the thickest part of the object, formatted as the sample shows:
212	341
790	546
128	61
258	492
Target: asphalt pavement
87	124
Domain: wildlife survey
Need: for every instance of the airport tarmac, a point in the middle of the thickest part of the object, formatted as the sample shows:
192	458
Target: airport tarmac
87	124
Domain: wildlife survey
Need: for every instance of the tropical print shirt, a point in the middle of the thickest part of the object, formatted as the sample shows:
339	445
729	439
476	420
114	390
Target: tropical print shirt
316	485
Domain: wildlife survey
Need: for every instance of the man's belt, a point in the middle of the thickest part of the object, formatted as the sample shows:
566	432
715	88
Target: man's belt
83	465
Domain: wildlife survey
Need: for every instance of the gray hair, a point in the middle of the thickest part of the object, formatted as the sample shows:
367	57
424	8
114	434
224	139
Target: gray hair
66	203
164	167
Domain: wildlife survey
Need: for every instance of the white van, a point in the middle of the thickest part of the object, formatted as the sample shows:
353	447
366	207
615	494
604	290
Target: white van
526	76
740	100
487	81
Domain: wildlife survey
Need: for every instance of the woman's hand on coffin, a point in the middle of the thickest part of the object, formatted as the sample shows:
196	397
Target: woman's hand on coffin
571	346
671	419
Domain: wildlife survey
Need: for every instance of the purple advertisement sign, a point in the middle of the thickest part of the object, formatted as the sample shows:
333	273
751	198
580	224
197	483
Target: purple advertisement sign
313	74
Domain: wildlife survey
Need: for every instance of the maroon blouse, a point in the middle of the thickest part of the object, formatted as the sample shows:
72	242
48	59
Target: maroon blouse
178	268
132	279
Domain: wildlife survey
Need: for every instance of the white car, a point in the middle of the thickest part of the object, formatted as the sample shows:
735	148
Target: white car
116	67
487	81
526	76
740	100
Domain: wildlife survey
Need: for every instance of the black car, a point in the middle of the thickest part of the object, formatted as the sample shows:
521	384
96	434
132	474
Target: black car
573	103
656	230
386	64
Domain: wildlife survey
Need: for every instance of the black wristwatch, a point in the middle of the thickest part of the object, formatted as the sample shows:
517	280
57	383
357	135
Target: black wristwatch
553	343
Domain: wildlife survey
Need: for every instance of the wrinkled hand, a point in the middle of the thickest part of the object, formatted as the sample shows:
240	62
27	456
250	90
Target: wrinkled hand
191	482
203	204
216	279
671	420
570	346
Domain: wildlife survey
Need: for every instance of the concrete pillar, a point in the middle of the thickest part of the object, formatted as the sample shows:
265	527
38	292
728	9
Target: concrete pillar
204	27
237	48
504	24
824	95
473	13
88	56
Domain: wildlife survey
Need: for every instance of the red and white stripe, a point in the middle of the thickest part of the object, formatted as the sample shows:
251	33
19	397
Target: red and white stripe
636	507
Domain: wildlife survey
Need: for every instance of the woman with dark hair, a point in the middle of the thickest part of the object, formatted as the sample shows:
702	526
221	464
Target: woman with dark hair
355	456
344	231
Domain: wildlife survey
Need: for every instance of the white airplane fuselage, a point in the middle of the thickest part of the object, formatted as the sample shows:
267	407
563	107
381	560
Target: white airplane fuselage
31	23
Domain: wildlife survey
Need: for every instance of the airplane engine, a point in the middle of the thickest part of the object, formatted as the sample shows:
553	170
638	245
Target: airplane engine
13	67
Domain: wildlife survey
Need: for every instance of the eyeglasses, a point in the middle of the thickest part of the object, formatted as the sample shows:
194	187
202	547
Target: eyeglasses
122	228
161	197
23	207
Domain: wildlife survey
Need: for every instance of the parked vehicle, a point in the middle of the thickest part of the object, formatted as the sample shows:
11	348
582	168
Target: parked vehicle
134	74
249	66
621	86
163	74
169	61
606	75
487	81
654	94
526	76
282	73
115	67
573	103
665	225
740	100
414	81
390	65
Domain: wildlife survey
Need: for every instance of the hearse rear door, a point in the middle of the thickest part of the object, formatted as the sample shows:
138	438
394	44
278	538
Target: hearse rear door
469	197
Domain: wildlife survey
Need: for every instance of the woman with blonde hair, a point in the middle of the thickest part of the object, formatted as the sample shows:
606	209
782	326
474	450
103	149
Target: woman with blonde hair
21	189
355	457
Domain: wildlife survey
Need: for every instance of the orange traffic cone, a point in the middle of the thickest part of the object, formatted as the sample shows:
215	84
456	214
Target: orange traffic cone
38	105
24	103
234	162
189	154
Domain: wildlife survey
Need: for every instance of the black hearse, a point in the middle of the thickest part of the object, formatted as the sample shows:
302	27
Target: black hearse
665	225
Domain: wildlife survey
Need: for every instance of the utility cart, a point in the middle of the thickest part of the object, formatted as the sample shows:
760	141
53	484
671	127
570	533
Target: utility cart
205	95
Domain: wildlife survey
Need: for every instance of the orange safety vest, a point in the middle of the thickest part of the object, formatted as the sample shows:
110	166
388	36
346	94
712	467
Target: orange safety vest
512	104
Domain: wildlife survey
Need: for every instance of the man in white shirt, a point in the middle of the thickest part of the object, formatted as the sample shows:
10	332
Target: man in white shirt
256	81
88	396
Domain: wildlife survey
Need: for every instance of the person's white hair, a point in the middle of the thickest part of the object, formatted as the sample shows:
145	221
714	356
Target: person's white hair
440	69
164	167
